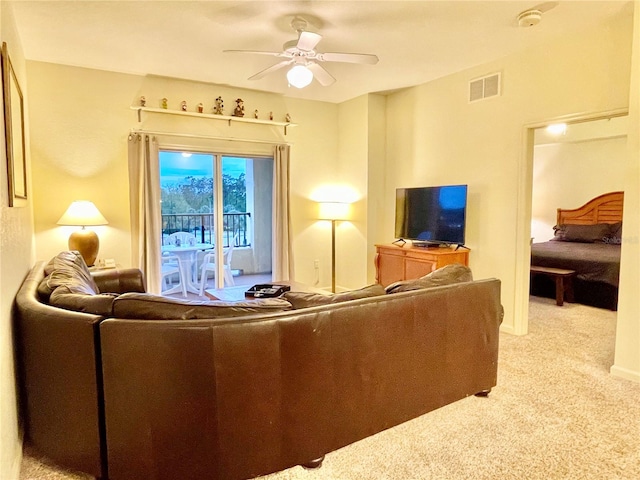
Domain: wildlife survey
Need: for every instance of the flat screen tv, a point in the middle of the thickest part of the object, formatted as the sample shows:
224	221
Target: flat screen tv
431	215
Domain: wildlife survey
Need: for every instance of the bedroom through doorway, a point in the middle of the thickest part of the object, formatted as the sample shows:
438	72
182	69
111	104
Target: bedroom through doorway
574	163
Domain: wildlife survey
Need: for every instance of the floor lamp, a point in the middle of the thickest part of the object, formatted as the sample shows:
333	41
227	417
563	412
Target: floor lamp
83	213
333	211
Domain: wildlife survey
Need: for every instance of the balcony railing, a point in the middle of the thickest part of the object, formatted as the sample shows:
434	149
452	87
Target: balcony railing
235	225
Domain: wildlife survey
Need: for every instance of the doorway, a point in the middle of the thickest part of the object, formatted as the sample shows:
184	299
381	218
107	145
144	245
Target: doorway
572	165
524	226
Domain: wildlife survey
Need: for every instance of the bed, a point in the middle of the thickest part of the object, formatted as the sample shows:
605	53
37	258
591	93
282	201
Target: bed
587	240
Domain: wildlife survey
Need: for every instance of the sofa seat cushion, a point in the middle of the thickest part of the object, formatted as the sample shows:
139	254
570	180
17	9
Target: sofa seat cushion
453	273
145	306
305	299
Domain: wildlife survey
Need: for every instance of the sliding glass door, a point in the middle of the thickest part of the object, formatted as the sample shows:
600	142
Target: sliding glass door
221	201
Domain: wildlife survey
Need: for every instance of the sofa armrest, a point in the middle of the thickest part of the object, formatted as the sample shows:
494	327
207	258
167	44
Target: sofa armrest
59	375
119	280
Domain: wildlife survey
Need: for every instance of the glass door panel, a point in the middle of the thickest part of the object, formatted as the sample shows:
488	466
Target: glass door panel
186	182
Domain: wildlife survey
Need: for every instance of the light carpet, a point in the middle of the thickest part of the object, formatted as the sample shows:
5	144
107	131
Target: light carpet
556	413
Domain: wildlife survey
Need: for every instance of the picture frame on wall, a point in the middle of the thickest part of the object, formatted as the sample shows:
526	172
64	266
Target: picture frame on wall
14	131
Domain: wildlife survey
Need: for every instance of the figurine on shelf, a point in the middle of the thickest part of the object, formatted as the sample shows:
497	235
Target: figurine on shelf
239	110
200	108
255	113
287	118
271	116
164	103
143	101
183	106
218	108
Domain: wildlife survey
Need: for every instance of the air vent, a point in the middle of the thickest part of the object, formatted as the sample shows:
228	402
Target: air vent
484	87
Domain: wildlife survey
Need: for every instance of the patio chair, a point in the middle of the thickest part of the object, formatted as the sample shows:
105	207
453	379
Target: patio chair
170	268
182	238
209	265
185	238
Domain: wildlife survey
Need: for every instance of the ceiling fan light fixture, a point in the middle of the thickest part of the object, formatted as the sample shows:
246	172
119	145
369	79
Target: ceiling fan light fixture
301	57
299	76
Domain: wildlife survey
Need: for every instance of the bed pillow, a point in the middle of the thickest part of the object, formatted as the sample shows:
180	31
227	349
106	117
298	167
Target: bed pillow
598	233
453	273
615	237
305	299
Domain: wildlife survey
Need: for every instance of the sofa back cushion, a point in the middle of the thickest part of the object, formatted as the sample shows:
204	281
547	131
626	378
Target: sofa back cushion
305	299
453	273
67	270
146	306
68	284
100	304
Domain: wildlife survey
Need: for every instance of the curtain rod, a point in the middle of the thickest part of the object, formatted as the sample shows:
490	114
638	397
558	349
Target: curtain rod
205	137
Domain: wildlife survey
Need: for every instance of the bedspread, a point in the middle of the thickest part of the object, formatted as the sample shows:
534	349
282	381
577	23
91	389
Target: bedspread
593	262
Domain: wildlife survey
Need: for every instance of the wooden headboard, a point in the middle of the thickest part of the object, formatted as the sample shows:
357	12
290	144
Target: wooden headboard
606	208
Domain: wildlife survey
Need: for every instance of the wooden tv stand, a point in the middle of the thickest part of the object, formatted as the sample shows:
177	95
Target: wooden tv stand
395	263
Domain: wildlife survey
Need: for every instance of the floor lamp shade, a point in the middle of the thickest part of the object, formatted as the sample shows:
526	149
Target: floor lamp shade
334	211
83	214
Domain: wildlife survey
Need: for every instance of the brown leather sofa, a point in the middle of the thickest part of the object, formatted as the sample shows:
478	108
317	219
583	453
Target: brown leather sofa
234	397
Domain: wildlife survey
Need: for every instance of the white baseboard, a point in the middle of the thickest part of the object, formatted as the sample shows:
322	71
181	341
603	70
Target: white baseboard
507	329
625	373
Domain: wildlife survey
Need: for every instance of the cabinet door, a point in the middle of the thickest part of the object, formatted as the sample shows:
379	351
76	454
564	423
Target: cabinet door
390	268
415	268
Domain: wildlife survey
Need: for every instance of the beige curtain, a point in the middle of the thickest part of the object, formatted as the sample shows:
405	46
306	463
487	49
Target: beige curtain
282	267
144	194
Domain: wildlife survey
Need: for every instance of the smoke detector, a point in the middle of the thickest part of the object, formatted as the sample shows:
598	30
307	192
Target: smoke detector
529	18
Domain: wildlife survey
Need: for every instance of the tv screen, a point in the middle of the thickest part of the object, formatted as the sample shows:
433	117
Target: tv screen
431	215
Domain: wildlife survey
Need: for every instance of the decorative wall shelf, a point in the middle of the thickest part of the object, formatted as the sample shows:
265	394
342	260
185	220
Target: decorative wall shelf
229	119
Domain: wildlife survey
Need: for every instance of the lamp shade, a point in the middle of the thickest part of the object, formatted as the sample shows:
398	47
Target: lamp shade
334	211
299	76
82	213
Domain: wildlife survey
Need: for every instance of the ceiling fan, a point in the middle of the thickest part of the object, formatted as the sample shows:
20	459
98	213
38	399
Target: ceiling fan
305	59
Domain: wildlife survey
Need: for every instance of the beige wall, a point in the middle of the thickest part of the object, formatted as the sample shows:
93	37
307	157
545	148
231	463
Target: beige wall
361	154
434	136
627	357
81	120
376	179
16	256
351	237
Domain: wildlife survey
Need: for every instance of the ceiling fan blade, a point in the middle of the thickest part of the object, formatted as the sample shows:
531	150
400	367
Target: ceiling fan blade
308	41
271	69
273	54
546	6
348	58
319	73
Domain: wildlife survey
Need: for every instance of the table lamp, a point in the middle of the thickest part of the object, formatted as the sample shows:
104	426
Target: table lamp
333	211
83	213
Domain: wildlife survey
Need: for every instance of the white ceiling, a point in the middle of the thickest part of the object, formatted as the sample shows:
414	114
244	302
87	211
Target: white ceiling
416	41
